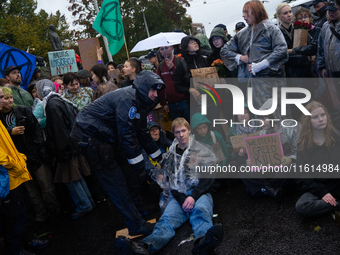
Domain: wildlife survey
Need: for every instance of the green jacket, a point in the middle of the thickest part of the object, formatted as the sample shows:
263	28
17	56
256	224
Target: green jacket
198	119
22	97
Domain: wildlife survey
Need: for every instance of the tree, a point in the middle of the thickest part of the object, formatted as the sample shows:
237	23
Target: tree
161	16
21	27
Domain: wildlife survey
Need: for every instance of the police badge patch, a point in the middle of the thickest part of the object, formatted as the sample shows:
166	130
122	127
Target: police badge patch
132	112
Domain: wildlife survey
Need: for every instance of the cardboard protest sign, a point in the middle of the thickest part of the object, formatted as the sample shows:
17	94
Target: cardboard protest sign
114	75
156	115
88	52
264	150
62	62
10	56
206	75
237	141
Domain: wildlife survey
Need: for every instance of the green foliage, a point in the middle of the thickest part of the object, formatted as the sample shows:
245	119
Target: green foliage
22	28
160	15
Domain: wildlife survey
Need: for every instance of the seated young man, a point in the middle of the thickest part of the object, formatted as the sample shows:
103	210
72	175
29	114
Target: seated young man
190	197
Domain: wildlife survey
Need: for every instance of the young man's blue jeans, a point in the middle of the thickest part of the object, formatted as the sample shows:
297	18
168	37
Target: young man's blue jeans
81	195
174	216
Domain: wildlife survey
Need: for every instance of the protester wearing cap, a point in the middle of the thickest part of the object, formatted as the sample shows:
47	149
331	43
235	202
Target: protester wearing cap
225	30
20	96
320	12
153	59
84	78
239	26
110	126
328	57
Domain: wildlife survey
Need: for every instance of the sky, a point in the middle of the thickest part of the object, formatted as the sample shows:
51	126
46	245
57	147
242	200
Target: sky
208	12
51	6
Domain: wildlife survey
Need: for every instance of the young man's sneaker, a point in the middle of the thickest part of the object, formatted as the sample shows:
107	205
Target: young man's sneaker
206	244
124	246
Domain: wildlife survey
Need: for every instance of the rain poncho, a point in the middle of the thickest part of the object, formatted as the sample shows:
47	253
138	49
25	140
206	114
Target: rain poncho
12	160
265	42
329	49
179	171
266	46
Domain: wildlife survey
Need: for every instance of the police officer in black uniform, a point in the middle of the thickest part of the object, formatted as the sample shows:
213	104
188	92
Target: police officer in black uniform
110	125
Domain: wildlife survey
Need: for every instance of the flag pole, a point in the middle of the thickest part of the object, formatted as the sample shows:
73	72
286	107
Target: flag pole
127	53
104	37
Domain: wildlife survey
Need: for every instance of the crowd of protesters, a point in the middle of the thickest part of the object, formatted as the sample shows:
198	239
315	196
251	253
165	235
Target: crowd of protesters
88	133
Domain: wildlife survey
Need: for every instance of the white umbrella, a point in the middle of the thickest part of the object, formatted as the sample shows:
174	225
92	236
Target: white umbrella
159	40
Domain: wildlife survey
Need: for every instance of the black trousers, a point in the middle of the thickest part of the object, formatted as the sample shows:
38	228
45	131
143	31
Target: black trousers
102	159
17	217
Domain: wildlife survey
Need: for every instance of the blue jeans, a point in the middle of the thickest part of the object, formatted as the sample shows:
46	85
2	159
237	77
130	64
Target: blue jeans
81	195
174	216
180	109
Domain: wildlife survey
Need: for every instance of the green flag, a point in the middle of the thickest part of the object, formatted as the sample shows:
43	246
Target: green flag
109	23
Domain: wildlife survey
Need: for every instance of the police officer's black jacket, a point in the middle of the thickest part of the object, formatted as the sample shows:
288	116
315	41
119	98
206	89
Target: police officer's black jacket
120	116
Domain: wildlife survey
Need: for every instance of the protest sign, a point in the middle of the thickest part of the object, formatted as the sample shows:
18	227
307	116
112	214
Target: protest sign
264	150
207	75
62	62
114	75
10	56
237	141
88	52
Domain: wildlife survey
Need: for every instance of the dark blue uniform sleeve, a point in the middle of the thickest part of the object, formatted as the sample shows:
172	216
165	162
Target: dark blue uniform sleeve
129	128
127	132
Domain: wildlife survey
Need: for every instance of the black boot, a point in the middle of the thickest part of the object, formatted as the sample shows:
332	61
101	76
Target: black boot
206	244
124	246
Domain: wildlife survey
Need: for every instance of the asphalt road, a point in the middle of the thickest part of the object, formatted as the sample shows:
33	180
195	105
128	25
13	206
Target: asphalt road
251	226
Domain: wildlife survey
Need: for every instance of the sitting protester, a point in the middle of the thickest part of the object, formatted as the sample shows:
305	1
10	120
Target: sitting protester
161	140
288	136
319	143
201	128
240	129
190	197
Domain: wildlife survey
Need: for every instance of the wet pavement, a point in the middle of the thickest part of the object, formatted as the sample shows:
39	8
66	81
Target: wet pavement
251	226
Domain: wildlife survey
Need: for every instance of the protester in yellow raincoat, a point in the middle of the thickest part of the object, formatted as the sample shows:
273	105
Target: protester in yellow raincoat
13	208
